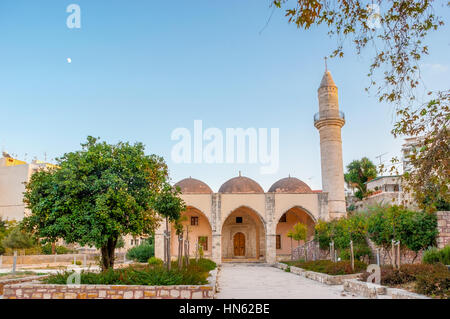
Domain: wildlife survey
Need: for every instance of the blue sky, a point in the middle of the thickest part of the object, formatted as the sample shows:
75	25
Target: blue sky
140	69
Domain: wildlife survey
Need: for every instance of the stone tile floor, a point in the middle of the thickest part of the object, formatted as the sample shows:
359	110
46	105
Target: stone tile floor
261	281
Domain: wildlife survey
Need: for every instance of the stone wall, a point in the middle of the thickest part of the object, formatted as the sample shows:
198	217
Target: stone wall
13	281
444	228
48	259
43	291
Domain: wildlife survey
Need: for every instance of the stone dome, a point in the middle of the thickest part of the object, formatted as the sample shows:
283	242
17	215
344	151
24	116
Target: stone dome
241	185
290	185
193	186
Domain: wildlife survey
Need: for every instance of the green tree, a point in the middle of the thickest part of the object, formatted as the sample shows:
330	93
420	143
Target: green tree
414	230
359	172
169	205
393	35
299	232
97	194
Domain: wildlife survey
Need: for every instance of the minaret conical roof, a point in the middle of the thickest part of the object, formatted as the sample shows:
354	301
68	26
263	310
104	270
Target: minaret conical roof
327	80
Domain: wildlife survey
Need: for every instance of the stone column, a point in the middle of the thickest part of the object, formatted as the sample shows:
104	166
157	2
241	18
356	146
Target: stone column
216	226
271	249
159	241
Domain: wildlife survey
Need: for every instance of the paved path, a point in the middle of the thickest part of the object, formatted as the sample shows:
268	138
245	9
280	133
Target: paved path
258	281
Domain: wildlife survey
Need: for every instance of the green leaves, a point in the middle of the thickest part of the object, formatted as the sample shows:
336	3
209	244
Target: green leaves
358	173
97	194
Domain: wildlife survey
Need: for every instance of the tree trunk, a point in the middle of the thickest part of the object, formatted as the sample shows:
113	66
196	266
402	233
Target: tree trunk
108	254
168	265
180	251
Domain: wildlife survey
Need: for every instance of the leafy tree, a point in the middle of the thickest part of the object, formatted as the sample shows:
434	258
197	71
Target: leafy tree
168	204
393	35
299	232
120	242
98	194
358	173
414	230
5	228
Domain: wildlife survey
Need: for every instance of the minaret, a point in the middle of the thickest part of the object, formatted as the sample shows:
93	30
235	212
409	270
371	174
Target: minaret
329	122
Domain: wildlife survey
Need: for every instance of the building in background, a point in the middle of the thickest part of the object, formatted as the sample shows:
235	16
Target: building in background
14	174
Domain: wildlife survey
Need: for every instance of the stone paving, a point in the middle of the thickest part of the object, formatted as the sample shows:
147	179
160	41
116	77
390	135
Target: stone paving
261	281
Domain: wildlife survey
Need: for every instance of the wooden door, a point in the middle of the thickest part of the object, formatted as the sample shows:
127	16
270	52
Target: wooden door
239	244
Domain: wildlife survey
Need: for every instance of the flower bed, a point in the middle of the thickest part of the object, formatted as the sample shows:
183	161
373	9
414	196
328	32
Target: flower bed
135	282
328	267
317	276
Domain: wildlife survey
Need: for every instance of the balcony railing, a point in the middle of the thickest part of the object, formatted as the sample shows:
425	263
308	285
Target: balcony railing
328	114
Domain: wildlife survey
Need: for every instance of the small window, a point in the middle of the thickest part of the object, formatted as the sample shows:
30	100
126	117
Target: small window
238	220
278	241
283	218
194	221
203	241
131	242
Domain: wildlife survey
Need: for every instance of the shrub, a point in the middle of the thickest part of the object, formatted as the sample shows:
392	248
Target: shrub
155	261
434	255
60	250
141	253
434	283
78	263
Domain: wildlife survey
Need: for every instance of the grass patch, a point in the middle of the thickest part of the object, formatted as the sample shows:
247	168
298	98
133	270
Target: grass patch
148	275
328	267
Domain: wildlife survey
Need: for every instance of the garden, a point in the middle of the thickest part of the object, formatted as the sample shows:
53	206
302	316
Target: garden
154	273
401	241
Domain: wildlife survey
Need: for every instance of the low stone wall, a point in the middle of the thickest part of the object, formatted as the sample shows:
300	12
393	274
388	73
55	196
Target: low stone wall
373	291
365	289
43	291
48	259
317	276
13	281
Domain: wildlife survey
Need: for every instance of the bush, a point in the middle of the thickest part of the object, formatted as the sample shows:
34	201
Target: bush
431	280
434	255
155	261
60	250
329	267
141	253
359	251
434	283
78	263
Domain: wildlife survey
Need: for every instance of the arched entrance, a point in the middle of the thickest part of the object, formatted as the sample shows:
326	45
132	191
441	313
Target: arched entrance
295	215
199	233
239	244
243	236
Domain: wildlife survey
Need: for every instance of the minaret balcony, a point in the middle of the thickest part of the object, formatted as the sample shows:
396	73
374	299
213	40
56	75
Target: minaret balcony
329	116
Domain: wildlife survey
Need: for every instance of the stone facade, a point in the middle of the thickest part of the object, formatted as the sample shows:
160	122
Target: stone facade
444	228
260	215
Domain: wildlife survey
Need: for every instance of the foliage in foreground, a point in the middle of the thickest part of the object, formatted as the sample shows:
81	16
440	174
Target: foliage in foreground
95	196
148	275
431	280
434	255
329	267
142	252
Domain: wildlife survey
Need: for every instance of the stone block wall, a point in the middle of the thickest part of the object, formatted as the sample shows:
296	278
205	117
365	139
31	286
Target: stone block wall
444	228
43	291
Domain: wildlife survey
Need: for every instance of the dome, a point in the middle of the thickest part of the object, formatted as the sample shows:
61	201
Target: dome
290	185
241	185
327	80
193	186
